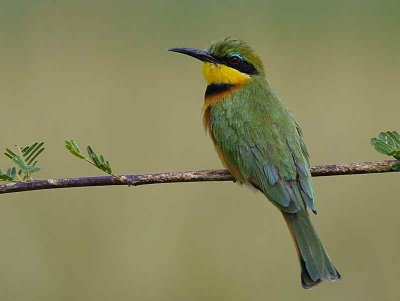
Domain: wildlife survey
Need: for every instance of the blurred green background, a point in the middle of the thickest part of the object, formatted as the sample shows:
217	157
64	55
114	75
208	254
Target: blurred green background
98	72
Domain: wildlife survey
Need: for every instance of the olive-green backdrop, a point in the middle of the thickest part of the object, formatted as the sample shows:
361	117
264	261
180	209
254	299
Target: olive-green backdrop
98	72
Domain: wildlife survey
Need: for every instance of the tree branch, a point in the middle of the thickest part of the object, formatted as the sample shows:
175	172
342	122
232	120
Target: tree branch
189	176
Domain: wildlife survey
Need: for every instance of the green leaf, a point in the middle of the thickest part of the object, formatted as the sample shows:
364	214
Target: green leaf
32	169
380	146
109	170
387	143
9	153
27	155
105	164
19	161
35	155
390	143
396	166
27	149
394	138
6	178
93	156
33	152
12	172
99	161
73	148
397	135
10	175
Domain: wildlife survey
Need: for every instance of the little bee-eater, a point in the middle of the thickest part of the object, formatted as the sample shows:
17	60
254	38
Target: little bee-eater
260	143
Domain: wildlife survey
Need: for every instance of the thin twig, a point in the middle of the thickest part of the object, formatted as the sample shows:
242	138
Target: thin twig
189	176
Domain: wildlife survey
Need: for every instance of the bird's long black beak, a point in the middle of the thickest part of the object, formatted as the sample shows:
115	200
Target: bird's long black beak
201	55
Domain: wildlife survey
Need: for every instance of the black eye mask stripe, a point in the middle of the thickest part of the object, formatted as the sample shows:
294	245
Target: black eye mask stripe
242	66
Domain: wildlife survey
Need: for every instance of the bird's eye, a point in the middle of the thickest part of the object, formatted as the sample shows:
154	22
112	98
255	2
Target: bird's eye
234	60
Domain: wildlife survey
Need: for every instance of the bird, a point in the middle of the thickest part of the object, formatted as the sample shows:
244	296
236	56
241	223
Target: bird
260	143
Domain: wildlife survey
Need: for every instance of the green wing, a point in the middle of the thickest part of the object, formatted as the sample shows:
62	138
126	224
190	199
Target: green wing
259	136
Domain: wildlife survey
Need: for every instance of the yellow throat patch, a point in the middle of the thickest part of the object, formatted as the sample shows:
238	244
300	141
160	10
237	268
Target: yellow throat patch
222	74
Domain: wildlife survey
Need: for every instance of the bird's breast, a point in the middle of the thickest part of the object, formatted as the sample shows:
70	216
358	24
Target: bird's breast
215	93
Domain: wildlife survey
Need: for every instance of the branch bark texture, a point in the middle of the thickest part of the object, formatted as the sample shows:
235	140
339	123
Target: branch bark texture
189	176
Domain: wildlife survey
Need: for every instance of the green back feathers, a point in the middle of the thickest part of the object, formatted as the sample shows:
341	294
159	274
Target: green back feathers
259	136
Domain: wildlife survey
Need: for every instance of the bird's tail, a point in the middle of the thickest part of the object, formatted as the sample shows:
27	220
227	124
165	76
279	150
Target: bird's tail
316	265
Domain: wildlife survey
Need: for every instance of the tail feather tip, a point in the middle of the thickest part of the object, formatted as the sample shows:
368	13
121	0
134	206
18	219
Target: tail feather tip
307	282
